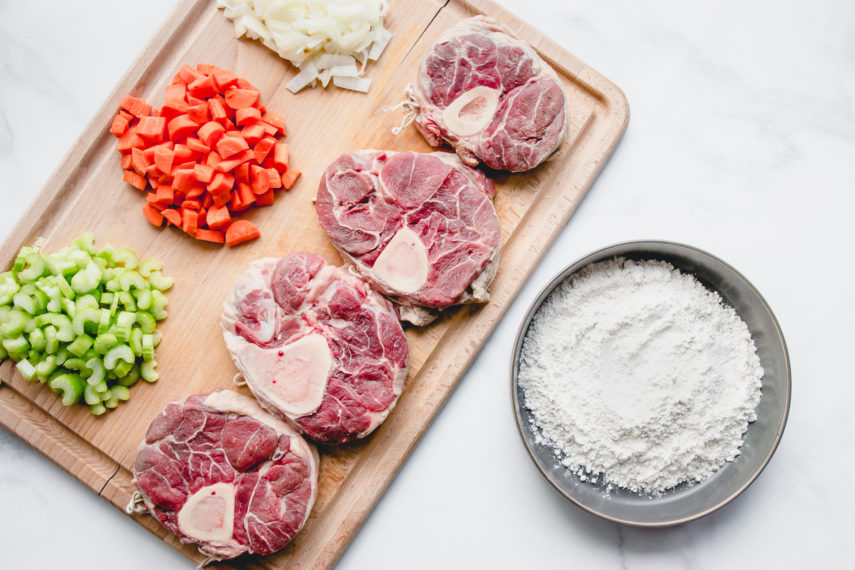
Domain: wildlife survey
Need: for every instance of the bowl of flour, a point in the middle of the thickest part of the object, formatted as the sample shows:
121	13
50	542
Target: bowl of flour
650	383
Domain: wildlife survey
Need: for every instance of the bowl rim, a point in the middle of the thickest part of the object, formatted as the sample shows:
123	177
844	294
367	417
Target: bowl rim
618	250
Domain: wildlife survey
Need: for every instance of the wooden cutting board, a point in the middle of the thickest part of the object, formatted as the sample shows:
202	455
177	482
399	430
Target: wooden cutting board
86	193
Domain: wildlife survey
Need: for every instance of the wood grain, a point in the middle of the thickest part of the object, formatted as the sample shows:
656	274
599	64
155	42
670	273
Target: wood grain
87	193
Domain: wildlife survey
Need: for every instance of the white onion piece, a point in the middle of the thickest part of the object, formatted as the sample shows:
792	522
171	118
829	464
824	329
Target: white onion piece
325	39
353	83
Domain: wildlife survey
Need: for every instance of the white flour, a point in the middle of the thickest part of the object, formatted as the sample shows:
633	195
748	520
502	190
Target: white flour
639	377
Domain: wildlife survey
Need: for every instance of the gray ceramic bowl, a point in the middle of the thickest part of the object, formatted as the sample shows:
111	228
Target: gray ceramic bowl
683	503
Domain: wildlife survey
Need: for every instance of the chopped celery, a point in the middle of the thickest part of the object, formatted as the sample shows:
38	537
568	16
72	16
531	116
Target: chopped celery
16	345
147	347
90	396
37	339
160	282
24	302
105	342
120	392
80	345
146	322
131	377
69	385
122	351
148	266
90	317
83	320
35	269
148	372
26	369
13	324
96	369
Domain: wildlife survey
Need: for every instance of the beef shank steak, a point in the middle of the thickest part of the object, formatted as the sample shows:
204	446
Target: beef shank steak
316	345
218	471
490	96
421	228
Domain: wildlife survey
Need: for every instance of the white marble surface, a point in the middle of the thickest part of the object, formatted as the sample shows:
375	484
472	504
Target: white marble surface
741	142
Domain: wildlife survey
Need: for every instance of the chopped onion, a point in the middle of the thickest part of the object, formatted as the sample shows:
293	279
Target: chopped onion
328	40
353	83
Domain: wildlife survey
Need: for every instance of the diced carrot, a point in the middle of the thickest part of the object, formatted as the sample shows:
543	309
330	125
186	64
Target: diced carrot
140	162
280	156
262	148
125	114
197	190
198	113
184	153
127	161
204	68
213	159
223	78
265	199
210	235
188	75
183	179
189	220
269	129
171	110
181	127
242	173
207	200
172	215
244	191
275	178
289	178
191	204
151	171
134	179
238	98
129	140
152	215
201	220
203	87
164	196
119	126
244	83
276	120
221	183
253	133
218	217
260	182
210	133
151	128
197	146
247	116
218	110
221	199
241	231
175	94
229	146
135	106
204	173
163	157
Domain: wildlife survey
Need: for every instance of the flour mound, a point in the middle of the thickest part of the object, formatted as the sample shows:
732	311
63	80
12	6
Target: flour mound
639	377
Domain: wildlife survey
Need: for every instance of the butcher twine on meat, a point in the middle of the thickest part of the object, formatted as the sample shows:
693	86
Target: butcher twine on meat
218	471
490	96
421	228
316	345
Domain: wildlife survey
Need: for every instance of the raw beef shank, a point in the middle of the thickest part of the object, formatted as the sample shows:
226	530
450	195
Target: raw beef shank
421	228
316	345
218	471
490	96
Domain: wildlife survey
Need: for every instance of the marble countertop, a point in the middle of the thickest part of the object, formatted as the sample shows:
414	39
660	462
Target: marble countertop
741	143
